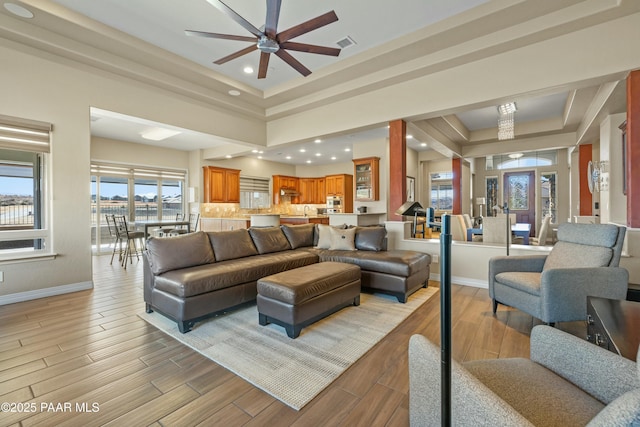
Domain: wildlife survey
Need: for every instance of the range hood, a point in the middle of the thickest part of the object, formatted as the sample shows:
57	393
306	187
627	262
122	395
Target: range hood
288	191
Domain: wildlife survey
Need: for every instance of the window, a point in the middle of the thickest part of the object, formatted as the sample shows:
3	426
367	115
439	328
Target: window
442	191
548	195
24	147
136	193
254	193
521	160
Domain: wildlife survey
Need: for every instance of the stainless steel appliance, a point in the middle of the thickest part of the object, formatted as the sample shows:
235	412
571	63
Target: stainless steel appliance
334	204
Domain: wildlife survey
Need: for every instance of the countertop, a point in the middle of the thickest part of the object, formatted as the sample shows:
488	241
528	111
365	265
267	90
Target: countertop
359	213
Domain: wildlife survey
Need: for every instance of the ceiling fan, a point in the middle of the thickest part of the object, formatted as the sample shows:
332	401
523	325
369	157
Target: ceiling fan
270	40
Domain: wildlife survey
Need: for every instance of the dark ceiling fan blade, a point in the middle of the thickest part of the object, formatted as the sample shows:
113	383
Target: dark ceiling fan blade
264	65
236	54
305	27
233	15
311	48
286	57
219	36
273	14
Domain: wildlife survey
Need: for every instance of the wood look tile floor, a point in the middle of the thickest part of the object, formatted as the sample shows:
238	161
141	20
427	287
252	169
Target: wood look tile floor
90	351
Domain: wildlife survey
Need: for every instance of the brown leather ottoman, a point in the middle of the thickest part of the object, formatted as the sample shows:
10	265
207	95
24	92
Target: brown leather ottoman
297	298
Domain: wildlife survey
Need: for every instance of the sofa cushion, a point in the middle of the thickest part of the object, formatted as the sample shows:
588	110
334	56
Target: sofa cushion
172	253
324	236
343	239
400	263
370	238
269	239
299	236
575	255
225	274
232	244
525	281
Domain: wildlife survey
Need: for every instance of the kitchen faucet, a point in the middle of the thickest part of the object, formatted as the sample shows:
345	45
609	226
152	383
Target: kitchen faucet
305	209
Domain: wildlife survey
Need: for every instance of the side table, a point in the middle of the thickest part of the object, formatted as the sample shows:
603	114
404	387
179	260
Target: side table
614	325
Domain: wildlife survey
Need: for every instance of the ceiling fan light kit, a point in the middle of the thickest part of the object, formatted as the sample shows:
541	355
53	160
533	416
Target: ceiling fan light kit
270	40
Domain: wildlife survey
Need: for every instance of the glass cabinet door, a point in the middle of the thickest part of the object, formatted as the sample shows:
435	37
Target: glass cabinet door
366	178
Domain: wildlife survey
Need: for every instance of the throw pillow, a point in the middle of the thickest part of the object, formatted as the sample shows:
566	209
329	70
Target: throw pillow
173	253
269	239
299	236
343	239
232	244
324	236
574	255
370	238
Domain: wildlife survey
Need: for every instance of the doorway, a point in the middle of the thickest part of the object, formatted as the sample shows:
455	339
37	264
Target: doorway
519	194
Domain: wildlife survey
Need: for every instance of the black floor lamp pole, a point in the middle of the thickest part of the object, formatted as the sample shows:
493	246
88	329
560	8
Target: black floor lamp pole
445	319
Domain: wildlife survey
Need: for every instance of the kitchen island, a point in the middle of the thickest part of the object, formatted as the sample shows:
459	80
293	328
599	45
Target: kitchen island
301	219
358	219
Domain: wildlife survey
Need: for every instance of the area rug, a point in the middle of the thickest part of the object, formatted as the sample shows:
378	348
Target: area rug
294	371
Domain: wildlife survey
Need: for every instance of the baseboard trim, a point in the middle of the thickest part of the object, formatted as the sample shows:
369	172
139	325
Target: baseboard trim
462	281
46	292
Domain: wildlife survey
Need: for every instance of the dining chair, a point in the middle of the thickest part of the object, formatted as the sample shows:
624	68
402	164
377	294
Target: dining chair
494	230
115	238
194	219
130	236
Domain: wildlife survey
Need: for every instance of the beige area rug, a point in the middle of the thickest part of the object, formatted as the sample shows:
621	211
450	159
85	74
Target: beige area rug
294	371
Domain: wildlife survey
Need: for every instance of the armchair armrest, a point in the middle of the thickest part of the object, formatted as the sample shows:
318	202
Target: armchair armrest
501	264
472	402
599	372
564	291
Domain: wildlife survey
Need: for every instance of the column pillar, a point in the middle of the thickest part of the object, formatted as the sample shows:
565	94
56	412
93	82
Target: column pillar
456	168
585	155
633	149
397	167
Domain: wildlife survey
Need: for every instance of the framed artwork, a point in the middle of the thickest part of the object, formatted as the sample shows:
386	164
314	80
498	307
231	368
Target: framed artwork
411	189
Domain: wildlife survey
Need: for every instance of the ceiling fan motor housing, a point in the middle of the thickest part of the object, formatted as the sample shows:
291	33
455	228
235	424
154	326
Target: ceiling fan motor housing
267	45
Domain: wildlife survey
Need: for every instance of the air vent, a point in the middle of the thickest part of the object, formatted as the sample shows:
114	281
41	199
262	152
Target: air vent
345	42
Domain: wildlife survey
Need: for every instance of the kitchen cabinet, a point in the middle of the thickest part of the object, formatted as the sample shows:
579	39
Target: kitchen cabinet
312	191
221	185
280	181
367	179
340	185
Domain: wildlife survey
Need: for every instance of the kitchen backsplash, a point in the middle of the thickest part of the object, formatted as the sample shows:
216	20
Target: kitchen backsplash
232	210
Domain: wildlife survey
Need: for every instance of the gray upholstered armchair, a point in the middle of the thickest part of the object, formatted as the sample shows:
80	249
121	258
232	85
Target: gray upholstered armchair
554	287
566	382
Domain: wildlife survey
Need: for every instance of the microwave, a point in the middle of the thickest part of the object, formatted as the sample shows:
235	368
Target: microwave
334	202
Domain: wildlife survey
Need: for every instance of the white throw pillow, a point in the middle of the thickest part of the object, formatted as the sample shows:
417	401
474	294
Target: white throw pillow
343	240
324	237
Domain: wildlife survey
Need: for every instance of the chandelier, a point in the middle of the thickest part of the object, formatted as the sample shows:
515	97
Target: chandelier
506	121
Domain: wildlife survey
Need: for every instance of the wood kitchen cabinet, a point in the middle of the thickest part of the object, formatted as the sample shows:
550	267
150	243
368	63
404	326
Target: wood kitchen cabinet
280	181
221	185
366	173
341	186
312	191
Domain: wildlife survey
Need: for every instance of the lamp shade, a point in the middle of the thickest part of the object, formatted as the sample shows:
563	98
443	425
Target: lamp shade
481	201
409	209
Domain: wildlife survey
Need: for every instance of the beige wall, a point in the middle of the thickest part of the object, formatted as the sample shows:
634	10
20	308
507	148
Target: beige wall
56	91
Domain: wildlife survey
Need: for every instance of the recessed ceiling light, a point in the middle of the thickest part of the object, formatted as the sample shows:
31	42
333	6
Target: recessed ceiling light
409	136
228	156
347	149
254	151
248	70
18	10
318	154
318	141
260	157
302	150
158	134
333	157
261	152
234	92
424	144
288	157
308	161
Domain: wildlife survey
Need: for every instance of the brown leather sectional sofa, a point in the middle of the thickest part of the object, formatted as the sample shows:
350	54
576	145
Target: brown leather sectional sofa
194	276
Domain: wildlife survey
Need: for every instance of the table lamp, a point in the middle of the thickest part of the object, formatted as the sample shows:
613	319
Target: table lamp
481	201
